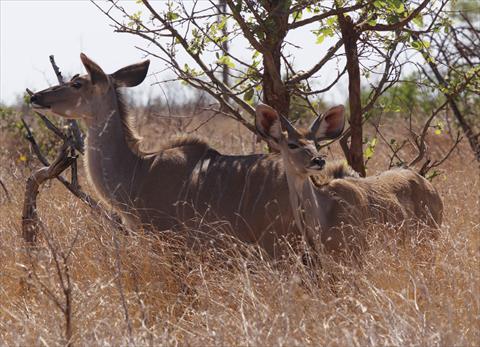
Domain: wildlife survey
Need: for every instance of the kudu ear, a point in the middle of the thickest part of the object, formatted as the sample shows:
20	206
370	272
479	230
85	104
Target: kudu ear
97	76
132	75
328	126
268	124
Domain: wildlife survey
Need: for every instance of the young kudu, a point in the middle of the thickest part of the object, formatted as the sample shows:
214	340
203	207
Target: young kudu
330	200
183	182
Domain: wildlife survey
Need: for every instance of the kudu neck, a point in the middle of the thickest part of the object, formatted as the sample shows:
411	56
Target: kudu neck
109	132
307	201
110	161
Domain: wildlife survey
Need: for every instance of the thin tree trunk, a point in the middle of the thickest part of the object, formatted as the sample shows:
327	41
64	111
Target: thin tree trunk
222	8
355	151
275	92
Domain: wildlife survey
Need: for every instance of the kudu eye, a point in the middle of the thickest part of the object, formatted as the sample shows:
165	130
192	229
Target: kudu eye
292	146
76	85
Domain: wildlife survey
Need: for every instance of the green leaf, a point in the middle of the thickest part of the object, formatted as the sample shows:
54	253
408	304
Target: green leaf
417	45
26	98
331	21
368	153
172	15
297	15
400	8
439	127
225	60
222	23
370	149
418	20
320	39
430	176
248	94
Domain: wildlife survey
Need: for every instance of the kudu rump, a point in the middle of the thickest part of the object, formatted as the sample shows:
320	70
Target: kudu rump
330	200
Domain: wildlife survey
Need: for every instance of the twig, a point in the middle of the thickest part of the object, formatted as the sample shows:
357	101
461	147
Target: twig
428	165
51	126
7	194
203	123
420	140
77	134
118	268
64	278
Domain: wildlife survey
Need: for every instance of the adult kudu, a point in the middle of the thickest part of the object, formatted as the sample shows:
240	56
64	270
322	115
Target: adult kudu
330	200
181	183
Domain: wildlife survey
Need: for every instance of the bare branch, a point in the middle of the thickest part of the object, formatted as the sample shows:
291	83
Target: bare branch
331	52
333	12
395	26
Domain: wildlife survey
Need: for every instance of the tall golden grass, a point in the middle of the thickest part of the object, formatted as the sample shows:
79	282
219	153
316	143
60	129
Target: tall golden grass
146	289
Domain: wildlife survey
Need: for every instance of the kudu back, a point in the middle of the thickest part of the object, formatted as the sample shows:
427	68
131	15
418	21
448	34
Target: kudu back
329	201
185	183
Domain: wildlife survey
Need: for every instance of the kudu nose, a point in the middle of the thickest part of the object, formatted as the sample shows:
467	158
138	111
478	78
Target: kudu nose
318	161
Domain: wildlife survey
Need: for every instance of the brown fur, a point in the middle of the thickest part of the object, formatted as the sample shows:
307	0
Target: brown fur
349	203
337	169
134	140
330	202
183	184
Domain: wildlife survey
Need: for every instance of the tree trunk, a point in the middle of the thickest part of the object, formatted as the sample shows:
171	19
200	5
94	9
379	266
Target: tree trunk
275	92
355	151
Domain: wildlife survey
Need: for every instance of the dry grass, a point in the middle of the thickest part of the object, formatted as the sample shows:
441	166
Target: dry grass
402	294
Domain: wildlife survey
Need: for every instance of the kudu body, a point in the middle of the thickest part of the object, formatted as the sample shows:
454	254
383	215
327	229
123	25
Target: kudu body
182	183
330	201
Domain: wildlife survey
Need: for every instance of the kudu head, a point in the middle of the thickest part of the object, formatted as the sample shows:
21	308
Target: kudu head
298	146
82	96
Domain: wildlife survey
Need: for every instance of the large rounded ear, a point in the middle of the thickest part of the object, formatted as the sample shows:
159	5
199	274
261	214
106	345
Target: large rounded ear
132	75
97	76
268	123
330	125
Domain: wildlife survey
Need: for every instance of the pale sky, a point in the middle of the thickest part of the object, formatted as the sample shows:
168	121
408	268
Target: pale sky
32	30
